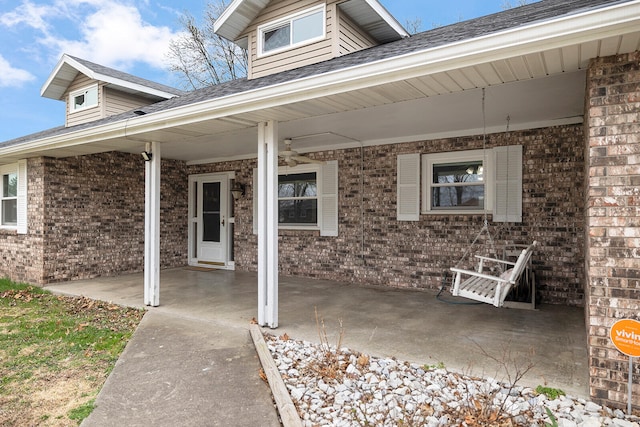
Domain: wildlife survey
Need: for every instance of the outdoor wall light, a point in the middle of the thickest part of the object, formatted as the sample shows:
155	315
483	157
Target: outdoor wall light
237	191
146	156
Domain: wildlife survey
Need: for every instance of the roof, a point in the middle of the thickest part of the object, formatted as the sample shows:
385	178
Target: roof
368	14
512	19
69	66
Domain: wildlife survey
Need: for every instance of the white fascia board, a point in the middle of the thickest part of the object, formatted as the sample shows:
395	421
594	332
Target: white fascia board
584	27
387	17
100	77
64	60
226	15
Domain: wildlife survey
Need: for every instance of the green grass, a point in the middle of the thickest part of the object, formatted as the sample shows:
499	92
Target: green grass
46	338
551	393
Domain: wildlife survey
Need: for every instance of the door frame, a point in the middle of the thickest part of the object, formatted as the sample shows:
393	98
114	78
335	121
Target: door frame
194	180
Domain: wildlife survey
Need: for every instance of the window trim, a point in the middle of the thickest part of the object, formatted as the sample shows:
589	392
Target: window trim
6	170
300	169
288	20
83	91
428	160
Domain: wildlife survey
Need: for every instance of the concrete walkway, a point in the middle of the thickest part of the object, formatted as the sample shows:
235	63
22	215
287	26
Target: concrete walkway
191	352
183	372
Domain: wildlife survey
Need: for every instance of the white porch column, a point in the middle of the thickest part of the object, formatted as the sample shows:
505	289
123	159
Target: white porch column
152	226
268	224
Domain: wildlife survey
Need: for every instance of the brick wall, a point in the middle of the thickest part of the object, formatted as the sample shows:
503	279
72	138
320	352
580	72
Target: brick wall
94	216
86	219
613	219
21	255
374	248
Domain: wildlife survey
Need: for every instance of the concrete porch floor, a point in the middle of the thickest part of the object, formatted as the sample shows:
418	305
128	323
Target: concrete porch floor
410	325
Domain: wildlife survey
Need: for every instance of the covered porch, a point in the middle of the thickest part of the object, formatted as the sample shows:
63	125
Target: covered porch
408	324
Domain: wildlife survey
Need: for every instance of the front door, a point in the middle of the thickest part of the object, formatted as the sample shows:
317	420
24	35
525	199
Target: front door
209	221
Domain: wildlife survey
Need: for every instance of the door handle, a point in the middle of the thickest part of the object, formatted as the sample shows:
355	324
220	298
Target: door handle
222	221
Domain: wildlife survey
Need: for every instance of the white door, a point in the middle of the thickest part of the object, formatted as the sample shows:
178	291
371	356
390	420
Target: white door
211	220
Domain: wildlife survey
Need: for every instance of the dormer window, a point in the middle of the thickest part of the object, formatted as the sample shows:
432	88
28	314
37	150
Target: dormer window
83	99
295	30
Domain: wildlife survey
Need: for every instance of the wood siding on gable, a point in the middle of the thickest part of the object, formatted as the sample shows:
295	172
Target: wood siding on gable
350	37
90	114
116	102
312	53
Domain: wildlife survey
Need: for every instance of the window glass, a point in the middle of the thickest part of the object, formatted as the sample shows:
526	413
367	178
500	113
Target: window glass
292	31
84	99
9	212
458	185
298	199
9	194
78	102
10	185
308	27
277	38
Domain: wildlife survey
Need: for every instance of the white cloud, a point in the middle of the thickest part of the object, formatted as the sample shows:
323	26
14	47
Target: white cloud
108	32
29	14
115	34
10	76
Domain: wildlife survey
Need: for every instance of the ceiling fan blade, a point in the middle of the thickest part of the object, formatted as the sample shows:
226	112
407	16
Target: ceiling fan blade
305	159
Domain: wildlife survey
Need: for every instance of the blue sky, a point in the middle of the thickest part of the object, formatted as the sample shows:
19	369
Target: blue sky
128	35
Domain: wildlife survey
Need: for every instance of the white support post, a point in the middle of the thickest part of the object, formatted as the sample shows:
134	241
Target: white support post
152	226
268	224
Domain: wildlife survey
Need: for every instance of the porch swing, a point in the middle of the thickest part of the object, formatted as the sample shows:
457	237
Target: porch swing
488	287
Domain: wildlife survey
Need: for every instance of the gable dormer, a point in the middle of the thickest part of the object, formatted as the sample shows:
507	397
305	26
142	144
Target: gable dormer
282	35
92	92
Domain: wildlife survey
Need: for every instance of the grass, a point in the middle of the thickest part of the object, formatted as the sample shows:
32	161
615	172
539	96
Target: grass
55	353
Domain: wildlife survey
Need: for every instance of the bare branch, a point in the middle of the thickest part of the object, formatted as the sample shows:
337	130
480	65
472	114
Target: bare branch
202	58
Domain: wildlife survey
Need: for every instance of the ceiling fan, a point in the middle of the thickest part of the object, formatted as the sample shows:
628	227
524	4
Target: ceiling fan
292	158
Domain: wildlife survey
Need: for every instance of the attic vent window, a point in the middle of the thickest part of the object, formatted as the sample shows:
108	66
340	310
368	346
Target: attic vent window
83	98
295	30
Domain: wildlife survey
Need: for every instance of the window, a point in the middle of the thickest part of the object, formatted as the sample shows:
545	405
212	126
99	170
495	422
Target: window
13	196
9	199
298	199
304	27
457	181
83	99
307	198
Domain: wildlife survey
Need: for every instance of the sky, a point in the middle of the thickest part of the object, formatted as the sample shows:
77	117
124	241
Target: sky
128	35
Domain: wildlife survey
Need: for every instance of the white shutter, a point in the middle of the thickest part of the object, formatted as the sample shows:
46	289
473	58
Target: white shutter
329	199
22	197
408	203
508	184
255	201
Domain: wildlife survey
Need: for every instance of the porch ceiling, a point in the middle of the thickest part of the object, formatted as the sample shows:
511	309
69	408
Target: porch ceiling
534	76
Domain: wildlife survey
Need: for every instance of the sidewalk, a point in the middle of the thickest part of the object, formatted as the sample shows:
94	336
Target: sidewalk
184	372
180	361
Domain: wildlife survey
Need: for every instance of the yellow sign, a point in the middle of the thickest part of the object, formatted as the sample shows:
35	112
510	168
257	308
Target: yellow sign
625	335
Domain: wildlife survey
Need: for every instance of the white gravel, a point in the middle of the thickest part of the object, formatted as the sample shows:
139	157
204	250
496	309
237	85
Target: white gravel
345	388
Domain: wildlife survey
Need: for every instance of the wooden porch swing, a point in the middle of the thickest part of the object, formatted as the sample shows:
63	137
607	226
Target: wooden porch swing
480	286
487	287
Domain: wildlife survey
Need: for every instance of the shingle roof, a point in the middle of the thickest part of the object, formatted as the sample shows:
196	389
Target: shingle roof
110	72
509	19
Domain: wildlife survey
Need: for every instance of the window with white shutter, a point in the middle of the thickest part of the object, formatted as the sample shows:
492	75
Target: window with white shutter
307	198
474	181
13	196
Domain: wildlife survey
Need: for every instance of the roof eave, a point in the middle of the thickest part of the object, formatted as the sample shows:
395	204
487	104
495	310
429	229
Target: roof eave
549	34
49	90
